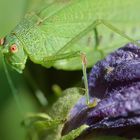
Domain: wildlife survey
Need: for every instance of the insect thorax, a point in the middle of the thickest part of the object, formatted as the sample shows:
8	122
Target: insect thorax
33	40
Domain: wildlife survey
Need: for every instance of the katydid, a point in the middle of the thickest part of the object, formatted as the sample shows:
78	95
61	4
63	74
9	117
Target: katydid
47	40
52	38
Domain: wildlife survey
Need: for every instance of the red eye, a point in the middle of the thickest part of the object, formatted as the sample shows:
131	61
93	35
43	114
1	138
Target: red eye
13	48
1	41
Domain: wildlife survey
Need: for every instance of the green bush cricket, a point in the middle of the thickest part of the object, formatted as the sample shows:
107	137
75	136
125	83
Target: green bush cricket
52	38
45	40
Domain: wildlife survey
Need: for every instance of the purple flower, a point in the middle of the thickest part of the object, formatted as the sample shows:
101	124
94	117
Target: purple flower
97	81
115	83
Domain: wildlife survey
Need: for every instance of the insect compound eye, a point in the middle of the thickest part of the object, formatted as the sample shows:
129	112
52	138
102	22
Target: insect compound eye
1	41
13	48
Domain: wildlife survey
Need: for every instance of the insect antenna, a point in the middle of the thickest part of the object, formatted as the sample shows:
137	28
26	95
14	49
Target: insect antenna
12	87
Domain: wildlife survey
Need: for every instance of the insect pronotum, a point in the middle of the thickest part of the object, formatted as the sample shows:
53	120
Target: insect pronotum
47	40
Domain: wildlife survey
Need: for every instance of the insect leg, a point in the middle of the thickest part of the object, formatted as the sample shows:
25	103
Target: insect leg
91	27
97	42
78	37
84	66
56	57
118	31
96	37
51	59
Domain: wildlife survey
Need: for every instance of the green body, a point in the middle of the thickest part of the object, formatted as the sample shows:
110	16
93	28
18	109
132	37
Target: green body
57	29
